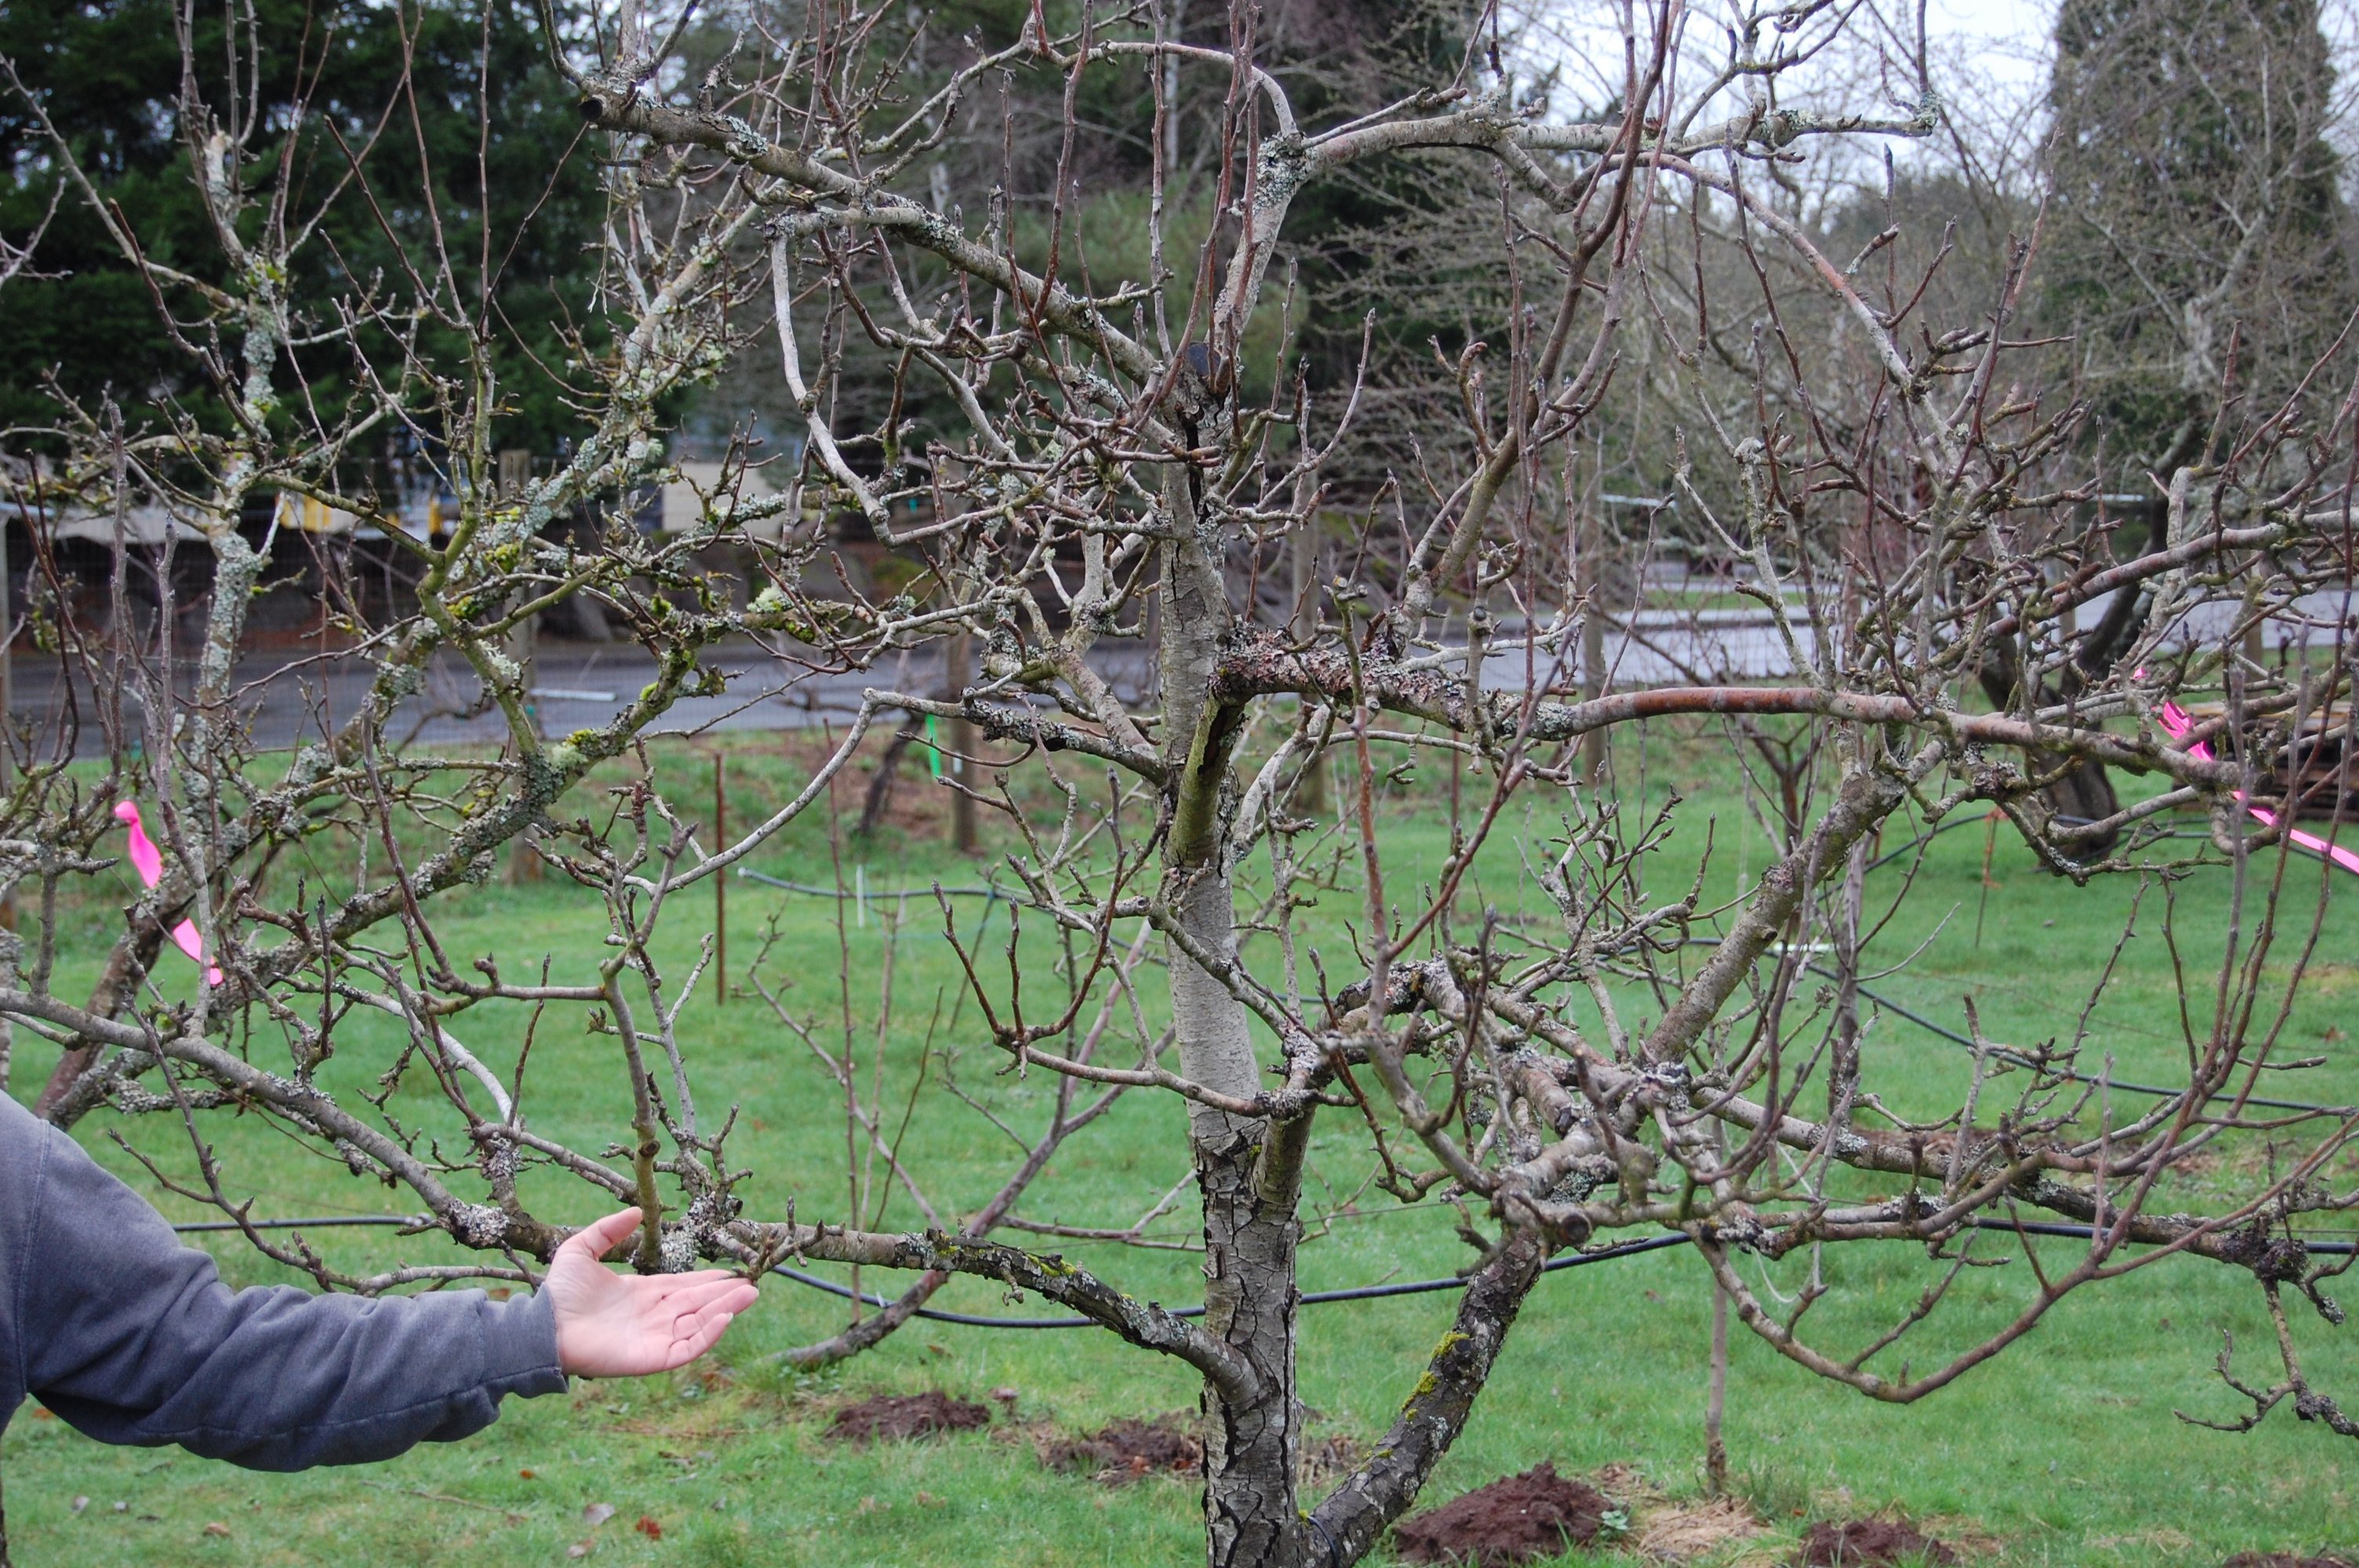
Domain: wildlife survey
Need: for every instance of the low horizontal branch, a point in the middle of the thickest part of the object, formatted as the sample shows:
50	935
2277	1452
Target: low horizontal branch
1261	664
1007	721
1143	1324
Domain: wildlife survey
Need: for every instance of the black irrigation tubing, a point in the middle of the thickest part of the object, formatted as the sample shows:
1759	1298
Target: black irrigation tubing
1315	1298
2083	1233
2020	1060
1921	1021
1312	1298
1934	832
1923	839
1420	1287
1930	834
1358	1293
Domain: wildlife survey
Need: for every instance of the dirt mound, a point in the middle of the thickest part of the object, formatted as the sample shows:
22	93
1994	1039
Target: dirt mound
1870	1544
1508	1522
1129	1449
906	1416
2281	1560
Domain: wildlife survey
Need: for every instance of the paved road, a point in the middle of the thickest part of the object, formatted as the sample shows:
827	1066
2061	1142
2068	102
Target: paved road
292	695
290	698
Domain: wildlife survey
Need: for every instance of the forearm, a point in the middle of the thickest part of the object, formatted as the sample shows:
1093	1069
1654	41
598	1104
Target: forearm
290	1380
132	1338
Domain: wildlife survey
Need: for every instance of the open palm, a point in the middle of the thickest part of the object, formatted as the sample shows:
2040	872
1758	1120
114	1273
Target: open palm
628	1325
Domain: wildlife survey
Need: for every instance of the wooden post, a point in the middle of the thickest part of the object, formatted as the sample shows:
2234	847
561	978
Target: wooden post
515	473
1310	795
7	665
1715	1446
959	657
720	886
1589	575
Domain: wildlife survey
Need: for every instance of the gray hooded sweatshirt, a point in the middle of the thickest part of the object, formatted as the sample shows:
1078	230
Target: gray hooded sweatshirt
132	1338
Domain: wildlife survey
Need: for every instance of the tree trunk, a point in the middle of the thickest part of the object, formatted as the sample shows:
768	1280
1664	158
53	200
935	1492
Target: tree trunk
880	785
1251	1232
1248	1173
2085	792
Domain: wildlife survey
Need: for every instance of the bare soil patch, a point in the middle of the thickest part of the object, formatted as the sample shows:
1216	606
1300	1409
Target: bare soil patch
1664	1528
1507	1523
905	1416
1706	1528
1328	1461
2282	1559
1870	1543
1128	1450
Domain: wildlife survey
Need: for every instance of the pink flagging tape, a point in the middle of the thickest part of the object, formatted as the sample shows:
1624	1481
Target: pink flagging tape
149	862
2176	721
193	945
144	853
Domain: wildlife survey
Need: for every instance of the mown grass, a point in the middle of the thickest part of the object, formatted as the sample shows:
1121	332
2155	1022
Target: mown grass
2064	1450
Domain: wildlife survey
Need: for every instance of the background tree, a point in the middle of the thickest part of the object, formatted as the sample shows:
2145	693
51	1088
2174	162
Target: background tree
2199	237
514	221
2198	251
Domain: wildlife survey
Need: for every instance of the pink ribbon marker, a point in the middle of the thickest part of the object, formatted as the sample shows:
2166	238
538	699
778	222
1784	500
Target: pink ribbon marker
149	863
2177	721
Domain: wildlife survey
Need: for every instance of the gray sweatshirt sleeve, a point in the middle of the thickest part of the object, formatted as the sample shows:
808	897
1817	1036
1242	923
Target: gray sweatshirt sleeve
132	1338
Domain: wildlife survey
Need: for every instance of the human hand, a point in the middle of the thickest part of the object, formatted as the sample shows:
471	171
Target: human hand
628	1325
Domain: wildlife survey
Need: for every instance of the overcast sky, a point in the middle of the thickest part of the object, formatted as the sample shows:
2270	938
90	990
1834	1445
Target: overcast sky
2008	37
1989	63
2026	21
2003	37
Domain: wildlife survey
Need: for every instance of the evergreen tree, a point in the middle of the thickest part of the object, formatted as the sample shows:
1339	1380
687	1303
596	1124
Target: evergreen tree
107	75
2193	195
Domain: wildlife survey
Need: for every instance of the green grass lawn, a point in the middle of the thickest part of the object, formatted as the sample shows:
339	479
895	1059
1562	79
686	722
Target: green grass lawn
2064	1451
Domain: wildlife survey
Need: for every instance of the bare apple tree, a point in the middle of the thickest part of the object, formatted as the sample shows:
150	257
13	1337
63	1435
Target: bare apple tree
1091	465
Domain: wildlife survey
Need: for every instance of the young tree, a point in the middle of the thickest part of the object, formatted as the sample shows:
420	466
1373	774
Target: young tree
1115	476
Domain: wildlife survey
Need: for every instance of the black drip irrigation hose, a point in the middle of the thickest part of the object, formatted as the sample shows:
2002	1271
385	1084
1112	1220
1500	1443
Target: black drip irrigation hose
1923	839
1935	831
1309	1298
1938	828
2020	1060
1312	1298
1362	1293
992	894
